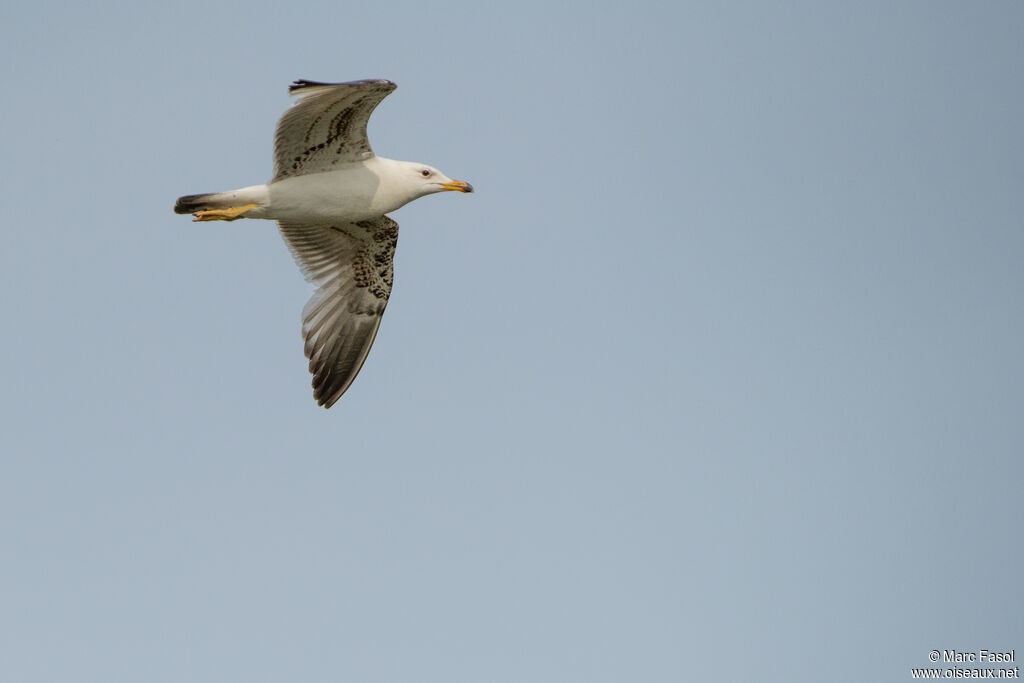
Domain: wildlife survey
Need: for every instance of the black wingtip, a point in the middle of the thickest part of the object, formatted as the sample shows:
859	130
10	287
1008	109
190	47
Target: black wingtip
302	84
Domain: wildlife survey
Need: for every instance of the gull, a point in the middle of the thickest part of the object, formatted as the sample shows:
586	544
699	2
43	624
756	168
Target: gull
330	195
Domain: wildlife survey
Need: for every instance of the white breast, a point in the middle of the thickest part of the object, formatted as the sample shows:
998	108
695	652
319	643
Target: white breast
356	191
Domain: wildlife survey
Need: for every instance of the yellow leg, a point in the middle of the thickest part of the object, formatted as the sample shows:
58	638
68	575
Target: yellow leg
232	214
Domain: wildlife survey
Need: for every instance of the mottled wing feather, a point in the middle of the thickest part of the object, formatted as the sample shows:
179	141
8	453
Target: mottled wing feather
352	265
327	126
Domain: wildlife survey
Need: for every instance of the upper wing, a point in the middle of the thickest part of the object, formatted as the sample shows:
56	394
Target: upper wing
353	266
326	126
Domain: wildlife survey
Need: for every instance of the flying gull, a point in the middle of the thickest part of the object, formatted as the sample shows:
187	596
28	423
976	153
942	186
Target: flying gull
329	196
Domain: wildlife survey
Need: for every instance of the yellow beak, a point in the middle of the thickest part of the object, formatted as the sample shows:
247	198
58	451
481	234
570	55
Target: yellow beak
457	185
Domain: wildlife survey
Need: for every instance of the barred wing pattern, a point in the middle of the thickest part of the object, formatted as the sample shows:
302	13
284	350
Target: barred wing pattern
327	126
353	266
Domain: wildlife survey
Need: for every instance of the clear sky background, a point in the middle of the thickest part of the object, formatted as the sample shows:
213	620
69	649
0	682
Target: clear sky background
717	377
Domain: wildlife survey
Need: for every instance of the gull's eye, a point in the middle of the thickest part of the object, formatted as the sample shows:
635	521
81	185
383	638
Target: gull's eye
425	173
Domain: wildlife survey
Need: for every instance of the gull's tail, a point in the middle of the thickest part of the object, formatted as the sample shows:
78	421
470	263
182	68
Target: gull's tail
193	203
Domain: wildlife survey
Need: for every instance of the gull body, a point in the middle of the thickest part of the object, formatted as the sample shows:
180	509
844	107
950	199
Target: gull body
356	191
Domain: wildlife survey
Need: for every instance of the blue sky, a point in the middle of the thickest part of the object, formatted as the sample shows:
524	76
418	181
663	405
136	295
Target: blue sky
716	377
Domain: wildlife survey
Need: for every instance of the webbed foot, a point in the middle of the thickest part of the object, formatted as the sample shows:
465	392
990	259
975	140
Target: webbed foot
231	214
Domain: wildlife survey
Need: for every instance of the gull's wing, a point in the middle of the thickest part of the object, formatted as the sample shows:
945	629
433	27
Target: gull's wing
327	126
353	266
